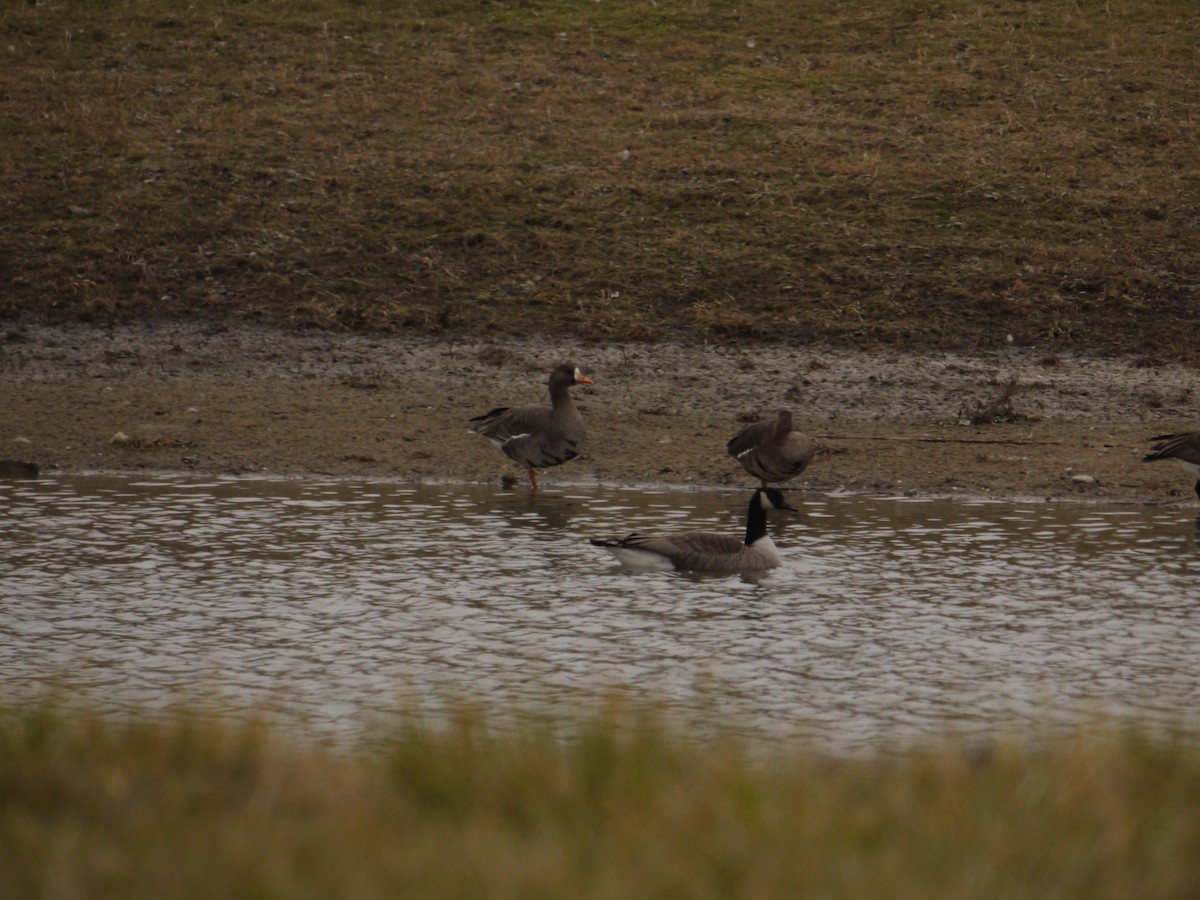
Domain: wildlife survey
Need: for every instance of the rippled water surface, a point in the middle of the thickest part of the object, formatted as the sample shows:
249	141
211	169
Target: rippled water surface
330	602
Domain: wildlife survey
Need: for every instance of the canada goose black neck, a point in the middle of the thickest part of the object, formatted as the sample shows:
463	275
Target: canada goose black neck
756	519
756	523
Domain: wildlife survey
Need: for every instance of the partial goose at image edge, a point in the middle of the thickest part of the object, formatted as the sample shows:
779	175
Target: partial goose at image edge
1182	448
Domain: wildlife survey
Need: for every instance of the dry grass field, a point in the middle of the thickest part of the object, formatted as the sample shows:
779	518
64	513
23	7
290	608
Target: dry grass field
872	173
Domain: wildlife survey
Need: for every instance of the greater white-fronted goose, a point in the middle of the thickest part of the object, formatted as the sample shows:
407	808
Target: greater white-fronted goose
770	450
538	437
705	551
1183	448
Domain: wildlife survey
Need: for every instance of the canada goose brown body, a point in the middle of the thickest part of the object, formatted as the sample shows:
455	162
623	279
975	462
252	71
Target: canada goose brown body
538	437
771	450
704	551
1182	448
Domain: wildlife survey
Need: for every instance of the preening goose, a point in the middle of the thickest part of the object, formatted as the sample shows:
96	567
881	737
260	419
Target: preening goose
704	551
538	437
770	450
1183	448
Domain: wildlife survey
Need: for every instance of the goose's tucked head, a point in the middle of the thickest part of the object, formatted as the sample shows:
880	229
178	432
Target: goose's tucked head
783	424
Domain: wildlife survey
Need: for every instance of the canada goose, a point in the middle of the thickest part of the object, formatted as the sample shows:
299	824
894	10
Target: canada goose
1183	448
770	450
705	551
538	437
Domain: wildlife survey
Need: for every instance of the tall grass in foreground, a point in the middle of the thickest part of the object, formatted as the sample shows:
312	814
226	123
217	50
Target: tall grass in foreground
605	806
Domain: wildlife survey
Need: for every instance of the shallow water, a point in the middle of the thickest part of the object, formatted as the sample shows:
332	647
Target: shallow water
331	603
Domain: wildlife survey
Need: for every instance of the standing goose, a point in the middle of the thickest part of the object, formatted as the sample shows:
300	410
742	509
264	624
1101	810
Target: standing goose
704	551
1183	447
772	451
538	437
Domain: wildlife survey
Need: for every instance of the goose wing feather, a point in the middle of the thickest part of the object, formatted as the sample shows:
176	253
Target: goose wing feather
1184	446
532	435
506	422
768	459
748	438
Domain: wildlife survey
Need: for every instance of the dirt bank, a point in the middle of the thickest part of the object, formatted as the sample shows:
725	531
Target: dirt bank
216	399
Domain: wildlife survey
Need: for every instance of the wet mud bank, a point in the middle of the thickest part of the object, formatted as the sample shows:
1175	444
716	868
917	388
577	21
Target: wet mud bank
249	400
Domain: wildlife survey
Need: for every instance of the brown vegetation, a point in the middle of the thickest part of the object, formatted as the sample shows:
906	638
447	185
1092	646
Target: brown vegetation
920	175
615	804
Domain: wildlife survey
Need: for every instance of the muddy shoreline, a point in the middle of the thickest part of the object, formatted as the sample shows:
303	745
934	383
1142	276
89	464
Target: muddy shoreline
258	401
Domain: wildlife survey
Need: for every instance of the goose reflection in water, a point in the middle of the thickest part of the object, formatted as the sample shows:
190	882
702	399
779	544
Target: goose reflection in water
542	511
